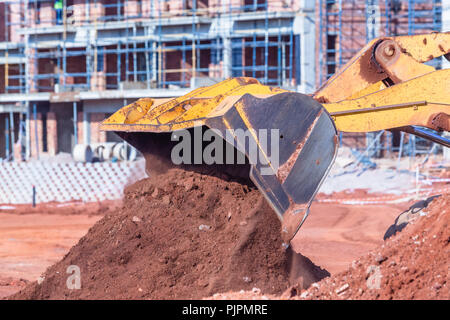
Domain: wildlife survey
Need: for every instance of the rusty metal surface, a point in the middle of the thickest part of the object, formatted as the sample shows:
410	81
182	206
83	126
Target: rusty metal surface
397	65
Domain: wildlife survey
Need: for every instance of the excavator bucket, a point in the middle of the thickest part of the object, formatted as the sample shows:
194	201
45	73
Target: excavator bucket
285	142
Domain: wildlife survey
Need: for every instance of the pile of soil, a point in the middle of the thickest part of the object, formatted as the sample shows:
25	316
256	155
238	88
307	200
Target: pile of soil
413	264
180	235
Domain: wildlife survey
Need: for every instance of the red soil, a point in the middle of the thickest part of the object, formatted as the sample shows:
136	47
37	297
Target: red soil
180	235
187	235
334	235
413	264
31	243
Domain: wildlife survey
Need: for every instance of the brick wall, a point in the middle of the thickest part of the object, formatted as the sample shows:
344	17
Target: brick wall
98	81
112	9
80	129
95	120
52	134
47	14
283	5
76	64
79	12
10	13
46	66
33	124
13	70
15	18
215	70
111	67
96	11
2	21
234	4
132	8
175	7
2	79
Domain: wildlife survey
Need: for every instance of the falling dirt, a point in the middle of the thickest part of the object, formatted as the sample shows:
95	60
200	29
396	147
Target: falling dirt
180	235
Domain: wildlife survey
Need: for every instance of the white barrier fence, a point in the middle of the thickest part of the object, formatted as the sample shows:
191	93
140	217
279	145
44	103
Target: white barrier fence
62	182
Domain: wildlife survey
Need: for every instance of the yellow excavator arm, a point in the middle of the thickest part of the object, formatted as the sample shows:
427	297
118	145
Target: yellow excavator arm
386	86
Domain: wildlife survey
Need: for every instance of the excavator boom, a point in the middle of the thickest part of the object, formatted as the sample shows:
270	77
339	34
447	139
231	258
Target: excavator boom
286	142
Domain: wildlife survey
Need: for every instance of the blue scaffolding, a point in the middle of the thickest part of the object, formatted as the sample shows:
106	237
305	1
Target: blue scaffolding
269	58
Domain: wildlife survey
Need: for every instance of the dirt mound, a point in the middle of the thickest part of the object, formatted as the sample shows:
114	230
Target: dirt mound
413	264
180	235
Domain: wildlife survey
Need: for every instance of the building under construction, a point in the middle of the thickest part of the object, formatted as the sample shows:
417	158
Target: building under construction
66	65
72	68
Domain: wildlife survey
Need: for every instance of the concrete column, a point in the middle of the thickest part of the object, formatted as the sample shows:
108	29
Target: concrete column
86	129
373	22
154	62
227	57
27	132
304	27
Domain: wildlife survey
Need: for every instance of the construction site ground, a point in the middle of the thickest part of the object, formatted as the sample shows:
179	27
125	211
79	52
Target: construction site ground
331	238
31	239
189	235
